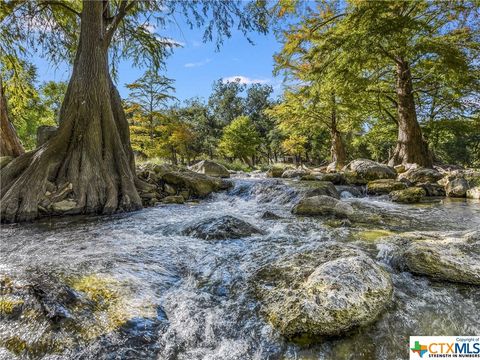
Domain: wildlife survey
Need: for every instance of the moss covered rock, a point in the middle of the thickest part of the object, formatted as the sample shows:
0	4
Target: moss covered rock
361	171
454	258
421	175
321	188
322	205
384	186
199	184
323	293
408	196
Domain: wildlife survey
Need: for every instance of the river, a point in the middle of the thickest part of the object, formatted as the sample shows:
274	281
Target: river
181	297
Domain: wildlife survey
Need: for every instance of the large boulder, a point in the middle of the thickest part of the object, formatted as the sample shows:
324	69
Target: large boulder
210	168
408	196
221	228
323	293
421	175
362	171
199	185
454	257
433	189
45	133
275	172
322	205
457	187
335	178
384	186
322	188
294	173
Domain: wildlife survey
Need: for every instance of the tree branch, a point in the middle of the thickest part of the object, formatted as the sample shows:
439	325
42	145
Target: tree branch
123	9
63	5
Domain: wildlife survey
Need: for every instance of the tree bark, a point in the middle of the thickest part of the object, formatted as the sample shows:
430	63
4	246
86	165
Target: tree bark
91	149
10	144
411	147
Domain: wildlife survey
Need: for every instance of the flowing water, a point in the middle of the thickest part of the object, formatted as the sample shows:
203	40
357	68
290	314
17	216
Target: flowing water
186	298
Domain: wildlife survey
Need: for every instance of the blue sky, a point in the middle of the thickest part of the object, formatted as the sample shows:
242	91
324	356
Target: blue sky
196	65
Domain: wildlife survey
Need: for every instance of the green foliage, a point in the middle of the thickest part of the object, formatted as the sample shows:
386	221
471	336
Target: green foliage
27	108
240	139
455	141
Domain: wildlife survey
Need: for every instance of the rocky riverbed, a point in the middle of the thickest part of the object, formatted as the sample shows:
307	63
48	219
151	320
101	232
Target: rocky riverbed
268	269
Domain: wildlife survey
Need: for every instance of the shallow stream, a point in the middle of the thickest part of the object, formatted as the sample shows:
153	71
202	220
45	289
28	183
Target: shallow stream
179	297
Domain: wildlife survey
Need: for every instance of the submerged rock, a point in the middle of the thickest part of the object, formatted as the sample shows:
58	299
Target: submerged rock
323	293
362	171
269	215
454	258
322	205
210	168
408	196
384	186
221	228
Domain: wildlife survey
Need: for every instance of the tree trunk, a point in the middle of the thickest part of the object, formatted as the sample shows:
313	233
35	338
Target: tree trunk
10	144
91	149
339	155
337	149
411	147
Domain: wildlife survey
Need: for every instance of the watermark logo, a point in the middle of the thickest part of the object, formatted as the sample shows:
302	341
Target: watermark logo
419	349
445	347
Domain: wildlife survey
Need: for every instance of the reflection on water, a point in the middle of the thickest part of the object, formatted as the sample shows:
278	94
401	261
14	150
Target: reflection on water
185	298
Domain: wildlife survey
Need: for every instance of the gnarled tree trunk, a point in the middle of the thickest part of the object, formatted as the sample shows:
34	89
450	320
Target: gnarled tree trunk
411	147
91	149
10	144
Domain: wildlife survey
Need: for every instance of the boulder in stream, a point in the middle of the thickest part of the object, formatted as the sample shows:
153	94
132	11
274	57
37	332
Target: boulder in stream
322	205
325	292
384	186
361	171
199	184
221	228
322	188
457	187
210	168
408	196
417	175
448	257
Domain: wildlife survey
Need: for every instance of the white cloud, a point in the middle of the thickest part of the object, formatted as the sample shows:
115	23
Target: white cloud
150	28
197	64
171	42
196	43
245	80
